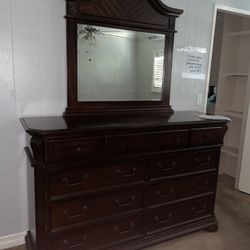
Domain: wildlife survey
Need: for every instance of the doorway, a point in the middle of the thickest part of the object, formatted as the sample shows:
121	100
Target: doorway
228	90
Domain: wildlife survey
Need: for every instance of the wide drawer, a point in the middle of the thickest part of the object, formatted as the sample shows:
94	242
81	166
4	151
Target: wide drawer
73	149
146	142
86	179
82	210
181	188
206	136
100	235
183	163
173	216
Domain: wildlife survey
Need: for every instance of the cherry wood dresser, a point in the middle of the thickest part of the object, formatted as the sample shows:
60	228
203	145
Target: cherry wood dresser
120	183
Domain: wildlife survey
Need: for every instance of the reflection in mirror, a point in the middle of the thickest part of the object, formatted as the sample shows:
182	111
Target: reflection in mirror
119	65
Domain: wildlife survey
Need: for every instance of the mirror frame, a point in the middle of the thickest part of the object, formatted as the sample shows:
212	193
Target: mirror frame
139	15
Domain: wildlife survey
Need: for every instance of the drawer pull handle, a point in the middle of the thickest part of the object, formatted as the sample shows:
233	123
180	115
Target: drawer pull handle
125	204
172	166
131	226
124	175
205	163
199	211
158	221
201	186
75	245
66	213
206	136
69	183
170	193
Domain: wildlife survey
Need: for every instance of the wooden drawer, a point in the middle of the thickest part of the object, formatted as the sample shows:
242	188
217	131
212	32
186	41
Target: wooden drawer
60	150
86	179
206	136
100	235
183	163
181	188
146	142
79	211
172	216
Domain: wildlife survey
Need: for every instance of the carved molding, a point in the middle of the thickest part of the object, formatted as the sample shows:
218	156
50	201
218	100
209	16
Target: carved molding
37	145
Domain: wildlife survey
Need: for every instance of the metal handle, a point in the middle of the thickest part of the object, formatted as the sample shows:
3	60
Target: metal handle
122	175
200	211
83	213
170	193
200	186
70	183
161	165
125	204
206	136
75	245
157	219
131	226
203	163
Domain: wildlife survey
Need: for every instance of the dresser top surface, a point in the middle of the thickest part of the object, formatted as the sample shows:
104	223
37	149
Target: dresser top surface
60	124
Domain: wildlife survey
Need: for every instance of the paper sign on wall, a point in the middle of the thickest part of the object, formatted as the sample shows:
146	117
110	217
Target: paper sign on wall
194	66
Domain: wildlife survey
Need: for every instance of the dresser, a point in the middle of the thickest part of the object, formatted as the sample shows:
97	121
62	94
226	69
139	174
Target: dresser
120	183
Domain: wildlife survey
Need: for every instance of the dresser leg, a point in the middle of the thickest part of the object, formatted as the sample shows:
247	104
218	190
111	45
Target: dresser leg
212	229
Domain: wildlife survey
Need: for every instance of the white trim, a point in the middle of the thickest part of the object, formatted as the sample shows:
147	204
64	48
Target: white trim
226	9
12	240
239	12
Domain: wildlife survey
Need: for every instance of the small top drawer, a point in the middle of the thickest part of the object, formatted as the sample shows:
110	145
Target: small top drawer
86	179
206	136
146	142
60	150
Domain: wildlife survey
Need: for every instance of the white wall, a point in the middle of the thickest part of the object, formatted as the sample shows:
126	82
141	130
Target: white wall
114	77
33	67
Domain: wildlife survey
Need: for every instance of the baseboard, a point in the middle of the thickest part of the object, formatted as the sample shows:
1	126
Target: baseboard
12	240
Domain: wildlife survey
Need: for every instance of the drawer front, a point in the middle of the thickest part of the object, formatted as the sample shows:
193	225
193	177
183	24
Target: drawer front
183	163
148	142
78	211
61	150
86	179
182	188
172	216
206	136
100	235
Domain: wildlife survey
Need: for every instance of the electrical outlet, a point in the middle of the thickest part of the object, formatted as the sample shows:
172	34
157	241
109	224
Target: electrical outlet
199	100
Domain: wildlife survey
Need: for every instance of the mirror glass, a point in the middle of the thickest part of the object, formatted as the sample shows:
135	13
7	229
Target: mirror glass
119	65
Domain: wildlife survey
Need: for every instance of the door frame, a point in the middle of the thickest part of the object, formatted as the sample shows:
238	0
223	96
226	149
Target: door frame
239	12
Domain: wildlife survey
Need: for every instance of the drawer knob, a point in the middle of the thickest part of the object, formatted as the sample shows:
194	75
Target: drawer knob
78	149
71	245
201	186
159	221
83	213
199	210
72	183
126	175
163	168
127	203
129	230
178	139
169	194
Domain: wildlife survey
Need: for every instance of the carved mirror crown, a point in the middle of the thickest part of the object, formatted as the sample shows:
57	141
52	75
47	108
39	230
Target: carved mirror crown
102	76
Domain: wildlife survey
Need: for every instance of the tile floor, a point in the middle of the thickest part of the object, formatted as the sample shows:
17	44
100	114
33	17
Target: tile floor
233	214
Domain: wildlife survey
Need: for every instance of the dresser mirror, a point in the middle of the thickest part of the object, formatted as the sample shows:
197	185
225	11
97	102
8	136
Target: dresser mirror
119	56
119	64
